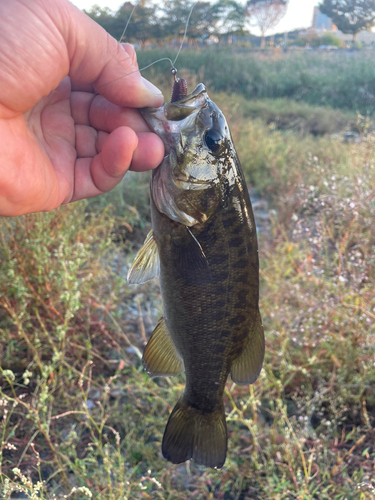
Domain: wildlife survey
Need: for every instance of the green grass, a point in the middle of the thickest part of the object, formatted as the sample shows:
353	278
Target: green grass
286	114
343	80
79	415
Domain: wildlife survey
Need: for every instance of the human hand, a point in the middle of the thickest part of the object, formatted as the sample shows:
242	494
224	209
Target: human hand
59	140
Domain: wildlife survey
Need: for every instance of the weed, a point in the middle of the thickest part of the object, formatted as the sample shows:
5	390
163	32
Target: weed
80	418
342	80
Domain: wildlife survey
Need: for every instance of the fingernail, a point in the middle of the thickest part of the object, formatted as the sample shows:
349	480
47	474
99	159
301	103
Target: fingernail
151	88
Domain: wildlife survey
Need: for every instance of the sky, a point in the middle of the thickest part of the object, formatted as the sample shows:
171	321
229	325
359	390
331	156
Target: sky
299	15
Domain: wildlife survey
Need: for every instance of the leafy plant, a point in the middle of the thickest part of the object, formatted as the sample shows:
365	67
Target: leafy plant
80	418
350	16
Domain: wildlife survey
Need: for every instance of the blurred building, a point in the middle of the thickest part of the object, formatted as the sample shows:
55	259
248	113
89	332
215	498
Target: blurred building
321	22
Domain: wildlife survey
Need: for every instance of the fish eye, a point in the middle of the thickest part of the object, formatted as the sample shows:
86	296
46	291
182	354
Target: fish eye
213	140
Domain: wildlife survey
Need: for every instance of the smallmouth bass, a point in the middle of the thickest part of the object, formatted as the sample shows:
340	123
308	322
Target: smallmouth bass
203	246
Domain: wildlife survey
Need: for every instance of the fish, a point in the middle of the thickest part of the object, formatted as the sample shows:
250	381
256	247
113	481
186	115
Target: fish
203	246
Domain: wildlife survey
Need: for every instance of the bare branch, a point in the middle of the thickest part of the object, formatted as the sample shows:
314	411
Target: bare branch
266	14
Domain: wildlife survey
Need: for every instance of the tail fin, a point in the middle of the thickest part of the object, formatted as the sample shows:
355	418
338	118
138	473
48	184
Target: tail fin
193	434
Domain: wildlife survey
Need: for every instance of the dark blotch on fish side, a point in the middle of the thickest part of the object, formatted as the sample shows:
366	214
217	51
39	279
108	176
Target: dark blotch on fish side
235	242
222	277
240	264
218	259
242	296
237	320
227	223
225	333
220	303
241	252
243	278
236	230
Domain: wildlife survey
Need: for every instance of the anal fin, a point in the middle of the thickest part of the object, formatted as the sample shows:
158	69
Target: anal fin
246	368
160	357
146	262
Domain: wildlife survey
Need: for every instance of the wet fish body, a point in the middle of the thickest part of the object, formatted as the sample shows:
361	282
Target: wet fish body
204	247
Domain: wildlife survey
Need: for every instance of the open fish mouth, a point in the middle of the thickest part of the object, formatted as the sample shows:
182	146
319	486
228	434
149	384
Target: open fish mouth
179	110
173	117
189	99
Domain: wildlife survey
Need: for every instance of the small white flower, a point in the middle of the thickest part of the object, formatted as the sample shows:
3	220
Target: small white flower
9	375
9	446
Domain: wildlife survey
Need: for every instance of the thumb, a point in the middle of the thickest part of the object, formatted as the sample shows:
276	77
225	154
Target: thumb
57	40
97	58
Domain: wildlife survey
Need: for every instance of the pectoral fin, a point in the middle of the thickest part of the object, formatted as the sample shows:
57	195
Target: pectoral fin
190	261
146	263
246	368
160	357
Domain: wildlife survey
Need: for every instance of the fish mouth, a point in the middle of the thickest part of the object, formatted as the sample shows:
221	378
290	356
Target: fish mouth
168	118
178	110
190	99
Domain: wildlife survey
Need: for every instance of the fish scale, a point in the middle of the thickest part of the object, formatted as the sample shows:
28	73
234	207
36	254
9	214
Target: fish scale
204	247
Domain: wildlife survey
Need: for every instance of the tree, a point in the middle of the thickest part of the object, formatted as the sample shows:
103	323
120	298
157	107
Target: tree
142	25
332	40
313	40
266	14
203	19
232	17
103	16
350	16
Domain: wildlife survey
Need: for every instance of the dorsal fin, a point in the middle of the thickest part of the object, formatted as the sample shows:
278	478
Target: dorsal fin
246	368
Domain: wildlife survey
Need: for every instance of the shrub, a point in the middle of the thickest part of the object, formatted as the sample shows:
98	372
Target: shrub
81	418
343	80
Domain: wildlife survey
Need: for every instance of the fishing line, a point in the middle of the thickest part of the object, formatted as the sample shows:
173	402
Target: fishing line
128	21
186	28
137	71
173	69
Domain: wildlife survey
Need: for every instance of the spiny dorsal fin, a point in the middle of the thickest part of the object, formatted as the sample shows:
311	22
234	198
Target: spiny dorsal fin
160	357
246	368
146	263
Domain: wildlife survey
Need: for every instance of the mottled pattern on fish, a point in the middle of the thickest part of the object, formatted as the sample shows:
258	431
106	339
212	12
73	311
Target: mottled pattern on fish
204	234
210	323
